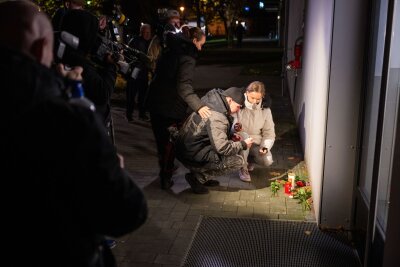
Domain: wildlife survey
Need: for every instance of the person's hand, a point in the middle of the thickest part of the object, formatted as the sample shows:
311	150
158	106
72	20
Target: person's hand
73	74
109	58
236	137
121	161
204	112
249	142
263	150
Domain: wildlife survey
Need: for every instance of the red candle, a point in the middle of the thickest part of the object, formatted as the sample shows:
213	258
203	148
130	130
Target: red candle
288	188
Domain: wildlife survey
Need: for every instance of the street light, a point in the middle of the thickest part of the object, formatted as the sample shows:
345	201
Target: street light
278	18
182	8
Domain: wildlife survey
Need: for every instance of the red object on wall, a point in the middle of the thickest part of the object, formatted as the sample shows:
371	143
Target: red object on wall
296	63
288	188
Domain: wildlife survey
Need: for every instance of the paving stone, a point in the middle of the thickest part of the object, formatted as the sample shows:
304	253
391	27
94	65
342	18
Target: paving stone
215	206
161	210
279	209
245	211
194	211
186	234
262	214
192	218
167	234
144	257
181	207
232	196
168	259
296	217
153	202
228	214
180	246
247	195
217	198
146	247
230	208
177	216
138	264
310	216
161	224
263	206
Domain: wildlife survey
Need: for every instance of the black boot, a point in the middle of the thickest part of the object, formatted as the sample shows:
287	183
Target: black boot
211	183
197	187
166	182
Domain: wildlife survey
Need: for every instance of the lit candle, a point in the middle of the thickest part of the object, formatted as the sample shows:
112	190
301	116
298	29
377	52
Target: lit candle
292	178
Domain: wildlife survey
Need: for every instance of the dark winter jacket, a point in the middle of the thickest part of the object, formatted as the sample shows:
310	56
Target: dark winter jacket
64	189
171	91
201	141
141	45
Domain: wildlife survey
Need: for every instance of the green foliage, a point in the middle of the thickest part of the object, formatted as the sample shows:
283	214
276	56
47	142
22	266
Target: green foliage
48	6
51	6
303	194
226	10
275	186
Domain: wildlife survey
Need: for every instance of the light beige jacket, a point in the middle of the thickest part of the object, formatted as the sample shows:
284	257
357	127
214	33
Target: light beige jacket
258	124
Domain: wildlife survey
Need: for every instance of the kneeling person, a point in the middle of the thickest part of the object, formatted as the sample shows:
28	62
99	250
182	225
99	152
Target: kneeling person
256	120
204	145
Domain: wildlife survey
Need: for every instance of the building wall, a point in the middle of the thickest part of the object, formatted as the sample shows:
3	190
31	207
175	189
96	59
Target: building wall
326	100
343	114
310	103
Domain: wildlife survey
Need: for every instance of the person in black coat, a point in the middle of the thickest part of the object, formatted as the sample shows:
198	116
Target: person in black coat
171	93
138	79
98	79
65	187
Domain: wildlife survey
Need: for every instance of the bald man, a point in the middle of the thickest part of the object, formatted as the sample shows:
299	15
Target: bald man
35	37
65	187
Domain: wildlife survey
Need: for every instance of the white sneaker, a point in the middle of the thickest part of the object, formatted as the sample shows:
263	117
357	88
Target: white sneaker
250	167
244	175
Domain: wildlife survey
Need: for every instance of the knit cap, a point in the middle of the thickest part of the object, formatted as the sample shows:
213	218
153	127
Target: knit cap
236	93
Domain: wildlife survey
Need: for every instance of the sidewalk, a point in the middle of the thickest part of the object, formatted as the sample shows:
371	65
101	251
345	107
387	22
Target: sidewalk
174	214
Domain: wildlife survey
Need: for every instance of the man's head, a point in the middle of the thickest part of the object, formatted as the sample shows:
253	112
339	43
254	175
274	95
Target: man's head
31	32
197	36
235	98
74	4
174	18
145	31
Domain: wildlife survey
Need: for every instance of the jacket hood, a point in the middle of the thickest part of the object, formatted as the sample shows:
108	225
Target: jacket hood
216	100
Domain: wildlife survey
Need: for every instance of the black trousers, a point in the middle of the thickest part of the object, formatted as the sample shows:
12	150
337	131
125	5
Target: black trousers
136	87
165	148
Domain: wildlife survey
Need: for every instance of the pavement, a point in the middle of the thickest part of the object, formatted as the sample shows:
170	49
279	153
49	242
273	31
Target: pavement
174	214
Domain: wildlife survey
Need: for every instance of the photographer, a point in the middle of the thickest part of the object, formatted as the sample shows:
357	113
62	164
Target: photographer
98	80
137	81
65	186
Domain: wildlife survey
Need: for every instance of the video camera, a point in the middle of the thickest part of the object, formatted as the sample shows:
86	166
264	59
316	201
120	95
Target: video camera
125	56
64	41
109	41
